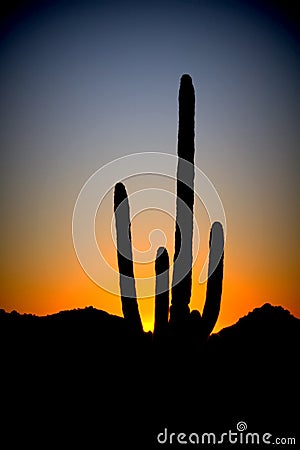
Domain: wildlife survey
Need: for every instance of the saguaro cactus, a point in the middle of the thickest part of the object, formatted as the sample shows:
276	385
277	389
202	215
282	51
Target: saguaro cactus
180	316
127	281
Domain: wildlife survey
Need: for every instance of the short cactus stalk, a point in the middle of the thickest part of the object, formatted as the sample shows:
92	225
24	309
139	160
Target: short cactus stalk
215	278
161	311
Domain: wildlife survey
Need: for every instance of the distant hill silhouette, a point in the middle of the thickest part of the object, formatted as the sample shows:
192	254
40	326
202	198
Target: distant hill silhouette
83	365
266	326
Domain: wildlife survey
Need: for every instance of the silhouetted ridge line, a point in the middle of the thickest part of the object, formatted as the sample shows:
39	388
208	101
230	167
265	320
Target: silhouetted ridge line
264	316
266	312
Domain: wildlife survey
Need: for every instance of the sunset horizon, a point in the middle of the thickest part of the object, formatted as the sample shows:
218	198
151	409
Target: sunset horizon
83	86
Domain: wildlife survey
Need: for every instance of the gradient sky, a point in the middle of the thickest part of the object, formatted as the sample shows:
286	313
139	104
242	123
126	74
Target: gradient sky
83	83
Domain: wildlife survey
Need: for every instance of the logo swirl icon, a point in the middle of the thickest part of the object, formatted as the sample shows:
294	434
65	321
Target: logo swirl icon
241	426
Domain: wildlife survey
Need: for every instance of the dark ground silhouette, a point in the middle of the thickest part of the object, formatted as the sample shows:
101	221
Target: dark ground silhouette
79	376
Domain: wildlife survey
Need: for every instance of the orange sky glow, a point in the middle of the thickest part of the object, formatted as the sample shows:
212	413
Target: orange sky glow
86	83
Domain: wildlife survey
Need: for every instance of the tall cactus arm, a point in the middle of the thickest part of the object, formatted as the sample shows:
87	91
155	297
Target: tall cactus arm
182	268
161	312
215	279
125	263
186	119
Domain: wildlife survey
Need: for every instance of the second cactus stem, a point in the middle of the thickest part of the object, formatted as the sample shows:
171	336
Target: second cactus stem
125	263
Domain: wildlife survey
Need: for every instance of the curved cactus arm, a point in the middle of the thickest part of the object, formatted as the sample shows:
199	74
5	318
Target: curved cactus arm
125	263
215	279
161	312
182	268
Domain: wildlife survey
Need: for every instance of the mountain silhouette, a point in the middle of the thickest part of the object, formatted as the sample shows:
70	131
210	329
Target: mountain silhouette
259	356
83	367
266	328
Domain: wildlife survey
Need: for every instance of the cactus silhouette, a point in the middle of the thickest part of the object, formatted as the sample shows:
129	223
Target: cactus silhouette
215	277
179	325
182	267
161	312
125	263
